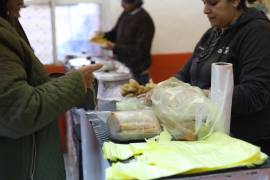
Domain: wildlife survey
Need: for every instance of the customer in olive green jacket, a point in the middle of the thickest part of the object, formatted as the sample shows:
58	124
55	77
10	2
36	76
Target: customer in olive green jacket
30	103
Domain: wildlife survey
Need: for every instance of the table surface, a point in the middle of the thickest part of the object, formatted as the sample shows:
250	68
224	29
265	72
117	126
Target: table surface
94	165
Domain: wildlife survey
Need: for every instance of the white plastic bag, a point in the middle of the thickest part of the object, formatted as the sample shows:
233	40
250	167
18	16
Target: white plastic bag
221	94
131	103
183	109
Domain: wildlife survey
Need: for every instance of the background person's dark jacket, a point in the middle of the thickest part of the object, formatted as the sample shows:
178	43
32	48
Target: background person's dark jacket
133	35
246	45
29	104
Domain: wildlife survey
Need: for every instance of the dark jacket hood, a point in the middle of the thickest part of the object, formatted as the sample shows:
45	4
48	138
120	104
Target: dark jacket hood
249	15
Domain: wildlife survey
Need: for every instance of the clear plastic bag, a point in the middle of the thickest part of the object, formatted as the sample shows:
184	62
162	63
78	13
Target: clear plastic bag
183	109
133	125
131	103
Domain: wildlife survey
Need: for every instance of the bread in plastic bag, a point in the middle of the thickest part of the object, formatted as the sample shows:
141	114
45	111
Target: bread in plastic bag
183	109
133	125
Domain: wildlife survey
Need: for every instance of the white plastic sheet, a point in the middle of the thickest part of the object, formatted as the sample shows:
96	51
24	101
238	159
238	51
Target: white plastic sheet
221	94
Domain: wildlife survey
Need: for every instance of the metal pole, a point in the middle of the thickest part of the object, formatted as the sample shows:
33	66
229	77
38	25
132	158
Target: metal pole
54	46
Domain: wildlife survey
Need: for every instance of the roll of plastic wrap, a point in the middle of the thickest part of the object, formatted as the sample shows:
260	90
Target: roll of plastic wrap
221	94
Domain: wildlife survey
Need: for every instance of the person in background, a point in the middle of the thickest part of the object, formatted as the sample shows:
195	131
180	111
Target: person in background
241	36
132	38
30	103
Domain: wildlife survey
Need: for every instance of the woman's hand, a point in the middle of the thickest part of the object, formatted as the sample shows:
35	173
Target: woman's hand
87	73
110	46
99	34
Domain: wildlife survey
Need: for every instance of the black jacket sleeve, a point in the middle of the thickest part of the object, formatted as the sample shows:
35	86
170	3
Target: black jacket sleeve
252	93
184	73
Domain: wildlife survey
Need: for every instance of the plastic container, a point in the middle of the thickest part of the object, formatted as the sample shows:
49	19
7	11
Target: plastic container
109	87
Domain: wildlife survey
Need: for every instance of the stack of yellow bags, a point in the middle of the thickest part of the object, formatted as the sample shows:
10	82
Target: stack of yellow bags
161	157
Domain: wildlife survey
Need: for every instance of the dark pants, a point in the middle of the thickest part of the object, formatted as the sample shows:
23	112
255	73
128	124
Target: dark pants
142	78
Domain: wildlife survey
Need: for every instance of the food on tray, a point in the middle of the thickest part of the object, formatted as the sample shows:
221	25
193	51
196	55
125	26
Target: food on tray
100	41
133	88
133	125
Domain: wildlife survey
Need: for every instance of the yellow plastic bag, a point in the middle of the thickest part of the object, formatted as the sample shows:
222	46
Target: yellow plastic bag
160	157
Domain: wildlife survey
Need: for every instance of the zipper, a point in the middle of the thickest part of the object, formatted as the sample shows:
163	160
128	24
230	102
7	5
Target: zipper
33	160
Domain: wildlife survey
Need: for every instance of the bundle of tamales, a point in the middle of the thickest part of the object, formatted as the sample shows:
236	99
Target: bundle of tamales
133	125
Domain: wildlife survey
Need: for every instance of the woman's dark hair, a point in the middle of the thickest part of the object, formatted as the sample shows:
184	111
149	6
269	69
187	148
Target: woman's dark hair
137	3
3	8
